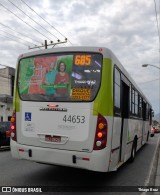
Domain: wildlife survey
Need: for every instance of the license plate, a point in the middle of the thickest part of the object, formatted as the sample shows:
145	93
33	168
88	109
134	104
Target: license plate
50	138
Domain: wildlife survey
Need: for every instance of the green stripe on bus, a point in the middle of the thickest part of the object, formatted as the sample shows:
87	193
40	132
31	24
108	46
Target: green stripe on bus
16	102
103	103
16	99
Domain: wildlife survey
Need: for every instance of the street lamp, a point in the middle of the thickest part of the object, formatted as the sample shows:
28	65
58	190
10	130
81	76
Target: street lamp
145	65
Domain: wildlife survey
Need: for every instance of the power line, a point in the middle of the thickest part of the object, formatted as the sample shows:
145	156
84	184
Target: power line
14	40
23	21
157	20
159	40
45	20
32	19
16	36
42	18
19	33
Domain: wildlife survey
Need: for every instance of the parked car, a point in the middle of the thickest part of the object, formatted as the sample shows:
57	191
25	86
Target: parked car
4	139
152	131
157	129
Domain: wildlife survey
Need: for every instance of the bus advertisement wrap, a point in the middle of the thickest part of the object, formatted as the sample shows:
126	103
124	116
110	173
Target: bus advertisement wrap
64	77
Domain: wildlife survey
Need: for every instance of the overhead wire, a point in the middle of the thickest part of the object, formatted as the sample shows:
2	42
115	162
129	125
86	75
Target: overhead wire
19	32
14	40
46	21
33	20
24	21
157	24
16	37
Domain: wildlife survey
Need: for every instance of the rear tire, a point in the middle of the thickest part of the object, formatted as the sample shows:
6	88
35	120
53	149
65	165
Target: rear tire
133	151
148	136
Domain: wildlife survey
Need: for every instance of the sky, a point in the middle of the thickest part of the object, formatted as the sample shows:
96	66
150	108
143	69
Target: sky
129	28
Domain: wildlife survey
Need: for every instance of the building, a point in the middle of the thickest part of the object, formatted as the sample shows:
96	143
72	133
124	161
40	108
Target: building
7	76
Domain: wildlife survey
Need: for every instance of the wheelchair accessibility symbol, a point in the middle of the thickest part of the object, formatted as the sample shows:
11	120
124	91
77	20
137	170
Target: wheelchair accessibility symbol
28	116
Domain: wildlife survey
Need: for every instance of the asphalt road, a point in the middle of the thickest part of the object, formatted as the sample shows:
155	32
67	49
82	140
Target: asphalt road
14	172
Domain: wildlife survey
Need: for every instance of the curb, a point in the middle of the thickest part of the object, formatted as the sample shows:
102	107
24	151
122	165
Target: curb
153	178
157	175
154	174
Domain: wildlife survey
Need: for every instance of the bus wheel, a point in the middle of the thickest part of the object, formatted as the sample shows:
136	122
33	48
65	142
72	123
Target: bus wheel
133	151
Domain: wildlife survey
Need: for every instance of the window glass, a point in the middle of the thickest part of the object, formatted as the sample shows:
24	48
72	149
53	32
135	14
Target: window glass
117	77
136	103
147	111
60	77
136	109
140	106
117	96
130	100
136	98
133	101
117	92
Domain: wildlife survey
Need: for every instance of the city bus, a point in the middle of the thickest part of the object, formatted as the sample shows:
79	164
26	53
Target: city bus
77	107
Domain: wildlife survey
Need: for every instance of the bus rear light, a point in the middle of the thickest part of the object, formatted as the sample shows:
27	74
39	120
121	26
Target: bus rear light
101	133
101	125
98	143
13	127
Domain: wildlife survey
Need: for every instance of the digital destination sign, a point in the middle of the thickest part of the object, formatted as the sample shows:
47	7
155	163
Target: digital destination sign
82	60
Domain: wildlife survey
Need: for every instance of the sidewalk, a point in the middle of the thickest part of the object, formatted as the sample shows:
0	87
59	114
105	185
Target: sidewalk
156	163
154	174
157	175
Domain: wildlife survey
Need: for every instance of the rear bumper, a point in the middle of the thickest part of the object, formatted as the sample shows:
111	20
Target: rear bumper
95	161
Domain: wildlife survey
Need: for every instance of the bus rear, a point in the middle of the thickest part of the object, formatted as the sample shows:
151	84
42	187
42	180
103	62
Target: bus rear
55	119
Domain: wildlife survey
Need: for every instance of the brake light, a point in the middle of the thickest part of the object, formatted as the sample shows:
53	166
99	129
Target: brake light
101	133
13	127
8	133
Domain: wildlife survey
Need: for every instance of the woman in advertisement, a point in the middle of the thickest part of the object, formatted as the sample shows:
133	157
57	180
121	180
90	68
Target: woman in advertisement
62	78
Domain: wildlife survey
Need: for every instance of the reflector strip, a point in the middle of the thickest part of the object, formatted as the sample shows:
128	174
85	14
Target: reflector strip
87	159
21	150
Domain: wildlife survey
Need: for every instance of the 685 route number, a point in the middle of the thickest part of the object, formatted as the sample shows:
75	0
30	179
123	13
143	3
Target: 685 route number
74	119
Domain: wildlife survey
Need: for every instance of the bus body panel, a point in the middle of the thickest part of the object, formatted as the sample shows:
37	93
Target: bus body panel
75	127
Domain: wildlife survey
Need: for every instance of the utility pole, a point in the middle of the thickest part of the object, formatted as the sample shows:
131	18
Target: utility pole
45	45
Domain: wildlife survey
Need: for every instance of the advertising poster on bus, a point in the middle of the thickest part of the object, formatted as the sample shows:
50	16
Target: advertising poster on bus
70	77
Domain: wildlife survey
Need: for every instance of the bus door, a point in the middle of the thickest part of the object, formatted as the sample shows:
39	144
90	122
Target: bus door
125	115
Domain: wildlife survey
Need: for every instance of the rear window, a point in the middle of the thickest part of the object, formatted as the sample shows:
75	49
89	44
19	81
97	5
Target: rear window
60	77
4	126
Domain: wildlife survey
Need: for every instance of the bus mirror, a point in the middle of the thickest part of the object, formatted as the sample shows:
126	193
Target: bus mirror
152	113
